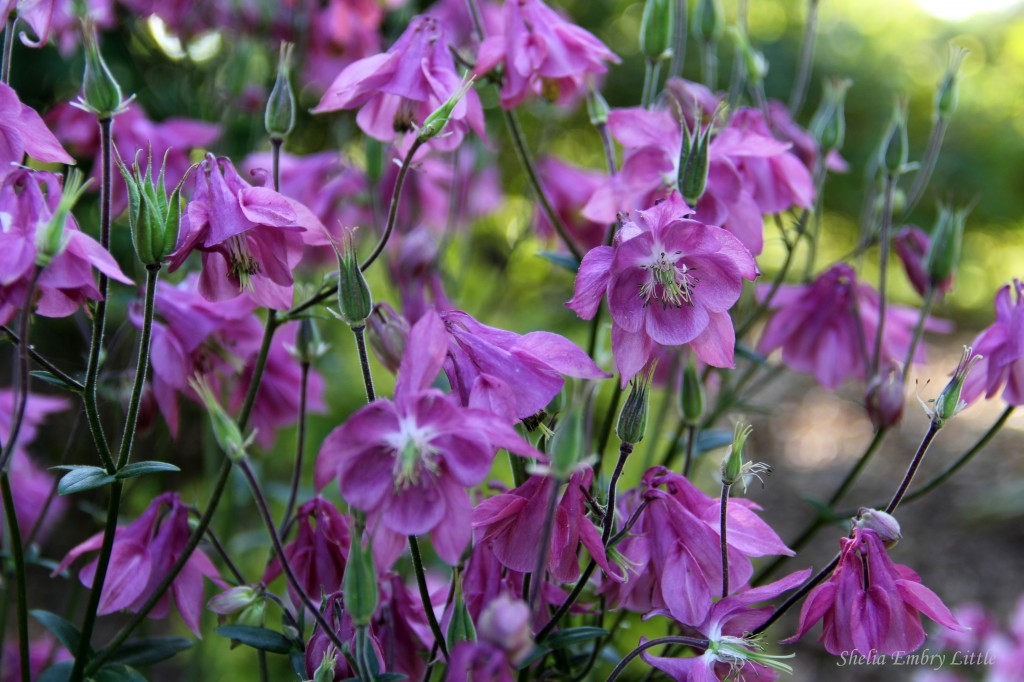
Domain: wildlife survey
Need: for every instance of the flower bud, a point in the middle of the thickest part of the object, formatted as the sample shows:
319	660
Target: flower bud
435	123
505	622
884	398
388	332
233	600
693	162
947	241
354	301
279	117
566	445
733	464
633	417
707	20
360	584
829	122
597	108
309	346
658	29
153	216
50	239
225	429
101	93
460	627
691	397
885	525
754	63
325	671
949	404
895	148
948	91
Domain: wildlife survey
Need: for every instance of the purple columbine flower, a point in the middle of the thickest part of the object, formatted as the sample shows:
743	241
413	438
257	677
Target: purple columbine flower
412	458
827	328
510	374
869	604
143	554
22	131
68	280
250	238
669	281
402	626
1002	348
543	54
398	89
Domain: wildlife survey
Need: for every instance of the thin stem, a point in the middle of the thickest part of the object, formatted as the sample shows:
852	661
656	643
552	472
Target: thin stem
625	449
564	607
687	641
421	581
364	362
691	441
962	460
933	430
22	371
679	47
5	69
257	373
723	525
595	327
268	521
609	420
11	514
645	97
141	367
396	197
883	272
670	449
924	174
300	447
797	596
609	148
218	547
922	320
275	154
803	71
44	363
545	543
709	63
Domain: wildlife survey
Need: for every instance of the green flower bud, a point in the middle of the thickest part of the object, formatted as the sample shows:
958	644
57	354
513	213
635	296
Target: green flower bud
360	584
233	600
566	445
633	417
153	216
354	301
460	627
949	404
829	122
325	671
658	29
253	615
691	397
597	108
895	147
309	346
279	117
707	20
435	123
733	465
947	242
754	62
225	429
50	239
101	93
948	92
693	162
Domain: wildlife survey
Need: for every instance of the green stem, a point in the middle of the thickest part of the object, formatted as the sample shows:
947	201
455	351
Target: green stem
687	641
924	174
679	48
300	447
564	607
803	71
625	449
275	149
19	575
609	421
21	365
72	383
141	367
364	362
926	309
709	64
929	436
723	525
691	441
396	198
421	581
5	69
883	272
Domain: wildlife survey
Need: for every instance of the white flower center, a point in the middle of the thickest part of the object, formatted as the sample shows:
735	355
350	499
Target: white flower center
414	452
669	280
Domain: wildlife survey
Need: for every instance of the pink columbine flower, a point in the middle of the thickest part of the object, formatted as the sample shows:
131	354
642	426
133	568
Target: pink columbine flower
412	458
543	54
828	327
508	524
911	244
669	281
143	554
731	654
400	88
509	374
28	200
251	238
1002	348
22	131
869	604
317	555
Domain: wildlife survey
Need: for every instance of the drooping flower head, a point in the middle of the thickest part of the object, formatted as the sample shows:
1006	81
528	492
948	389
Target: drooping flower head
543	54
317	554
1002	349
398	89
669	281
869	604
143	554
411	459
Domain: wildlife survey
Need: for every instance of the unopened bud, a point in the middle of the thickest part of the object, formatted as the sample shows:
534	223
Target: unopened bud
691	397
309	345
895	149
101	93
884	398
658	29
354	301
225	429
436	122
460	627
911	245
947	242
153	216
693	161
360	584
325	671
733	463
597	108
279	117
233	600
949	404
633	417
505	622
885	525
388	332
50	239
829	122
754	62
707	20
948	92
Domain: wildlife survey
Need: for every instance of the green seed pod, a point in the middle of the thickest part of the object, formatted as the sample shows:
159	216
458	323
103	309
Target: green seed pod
691	397
947	242
895	148
948	92
658	29
50	239
354	301
460	627
829	122
360	584
101	93
279	117
153	216
633	417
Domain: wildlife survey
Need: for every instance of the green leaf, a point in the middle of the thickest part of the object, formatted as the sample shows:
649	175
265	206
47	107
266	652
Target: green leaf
117	673
58	672
564	638
257	638
149	650
55	380
64	631
563	260
140	468
80	477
